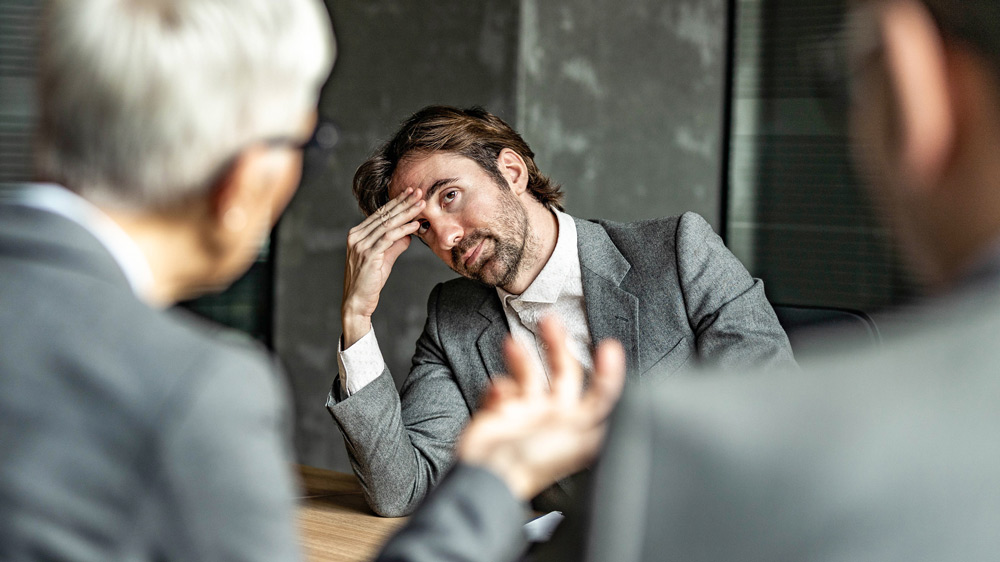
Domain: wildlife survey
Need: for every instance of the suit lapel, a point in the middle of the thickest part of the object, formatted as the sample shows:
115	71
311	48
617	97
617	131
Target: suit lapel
612	312
490	340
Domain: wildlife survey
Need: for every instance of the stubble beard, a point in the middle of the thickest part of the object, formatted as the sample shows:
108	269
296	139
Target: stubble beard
511	238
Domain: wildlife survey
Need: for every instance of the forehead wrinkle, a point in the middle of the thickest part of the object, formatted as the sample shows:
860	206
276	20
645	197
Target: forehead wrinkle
393	184
416	159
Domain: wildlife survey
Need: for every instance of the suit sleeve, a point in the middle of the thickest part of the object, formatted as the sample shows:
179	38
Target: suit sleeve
734	325
471	516
226	465
699	471
401	444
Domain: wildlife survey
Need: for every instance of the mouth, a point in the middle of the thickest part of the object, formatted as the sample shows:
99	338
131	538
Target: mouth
472	255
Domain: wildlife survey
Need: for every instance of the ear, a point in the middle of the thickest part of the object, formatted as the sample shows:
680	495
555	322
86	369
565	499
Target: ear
917	66
513	167
236	197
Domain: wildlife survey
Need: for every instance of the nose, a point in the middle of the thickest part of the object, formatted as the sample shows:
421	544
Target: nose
446	233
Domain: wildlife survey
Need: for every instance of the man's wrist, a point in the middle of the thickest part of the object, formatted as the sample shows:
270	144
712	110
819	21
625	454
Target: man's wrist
504	463
354	328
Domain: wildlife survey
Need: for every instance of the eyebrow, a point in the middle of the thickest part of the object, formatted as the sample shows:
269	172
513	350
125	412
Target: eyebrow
437	185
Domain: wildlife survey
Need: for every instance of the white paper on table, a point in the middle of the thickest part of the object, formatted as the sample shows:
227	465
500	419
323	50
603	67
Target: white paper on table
540	529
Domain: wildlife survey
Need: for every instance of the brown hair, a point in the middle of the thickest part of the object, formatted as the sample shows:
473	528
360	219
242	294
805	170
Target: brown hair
473	133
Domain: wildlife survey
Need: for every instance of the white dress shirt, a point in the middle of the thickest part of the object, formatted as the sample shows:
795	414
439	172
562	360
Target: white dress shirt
63	202
557	290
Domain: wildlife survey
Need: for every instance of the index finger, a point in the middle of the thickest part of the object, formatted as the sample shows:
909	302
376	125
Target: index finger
522	370
608	378
565	373
400	210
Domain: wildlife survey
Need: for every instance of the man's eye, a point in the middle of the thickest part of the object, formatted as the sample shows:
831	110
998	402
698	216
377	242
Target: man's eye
422	229
450	196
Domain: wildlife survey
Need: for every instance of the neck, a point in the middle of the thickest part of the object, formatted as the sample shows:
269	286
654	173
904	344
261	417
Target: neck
543	232
174	251
961	250
958	228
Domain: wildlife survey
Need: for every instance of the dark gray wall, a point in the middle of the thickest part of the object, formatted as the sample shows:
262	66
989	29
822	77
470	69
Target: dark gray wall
621	101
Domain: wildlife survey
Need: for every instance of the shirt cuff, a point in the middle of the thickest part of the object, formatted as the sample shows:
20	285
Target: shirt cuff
359	364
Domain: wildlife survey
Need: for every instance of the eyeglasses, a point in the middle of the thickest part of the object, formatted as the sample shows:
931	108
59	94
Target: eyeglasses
325	136
284	142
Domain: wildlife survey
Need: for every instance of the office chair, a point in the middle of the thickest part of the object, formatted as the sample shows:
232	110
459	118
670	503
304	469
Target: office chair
810	327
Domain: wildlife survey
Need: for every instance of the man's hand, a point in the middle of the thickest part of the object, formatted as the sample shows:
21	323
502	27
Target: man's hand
372	249
531	436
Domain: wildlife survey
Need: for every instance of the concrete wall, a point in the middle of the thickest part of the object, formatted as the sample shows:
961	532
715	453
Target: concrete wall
620	100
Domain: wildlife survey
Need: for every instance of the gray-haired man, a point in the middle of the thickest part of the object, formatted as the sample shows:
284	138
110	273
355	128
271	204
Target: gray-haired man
170	133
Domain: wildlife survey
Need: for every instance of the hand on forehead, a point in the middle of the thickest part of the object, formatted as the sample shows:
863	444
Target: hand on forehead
428	172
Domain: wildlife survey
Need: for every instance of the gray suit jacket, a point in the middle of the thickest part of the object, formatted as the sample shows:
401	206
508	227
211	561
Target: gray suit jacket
887	455
668	289
128	433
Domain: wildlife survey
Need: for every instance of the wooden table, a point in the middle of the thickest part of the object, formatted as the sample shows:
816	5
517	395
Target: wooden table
335	522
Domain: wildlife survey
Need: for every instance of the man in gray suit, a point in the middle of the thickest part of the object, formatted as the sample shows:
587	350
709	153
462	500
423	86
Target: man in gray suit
170	133
466	184
890	454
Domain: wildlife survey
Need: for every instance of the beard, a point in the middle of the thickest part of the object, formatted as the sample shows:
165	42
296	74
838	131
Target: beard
504	245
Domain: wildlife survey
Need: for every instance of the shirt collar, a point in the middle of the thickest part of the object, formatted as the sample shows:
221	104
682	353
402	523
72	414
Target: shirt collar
560	275
63	202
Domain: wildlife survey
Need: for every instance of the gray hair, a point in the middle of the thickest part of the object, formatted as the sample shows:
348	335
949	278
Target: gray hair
145	102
